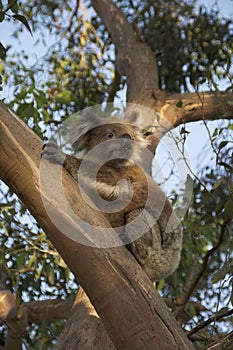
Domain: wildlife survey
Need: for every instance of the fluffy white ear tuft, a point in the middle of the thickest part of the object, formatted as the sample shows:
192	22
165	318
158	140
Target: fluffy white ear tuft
134	117
81	127
86	122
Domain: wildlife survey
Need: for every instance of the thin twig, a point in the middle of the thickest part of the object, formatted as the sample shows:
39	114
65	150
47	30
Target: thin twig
8	7
210	320
192	283
206	260
72	15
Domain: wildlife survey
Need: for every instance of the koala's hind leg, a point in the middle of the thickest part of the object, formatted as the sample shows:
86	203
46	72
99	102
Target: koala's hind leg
157	260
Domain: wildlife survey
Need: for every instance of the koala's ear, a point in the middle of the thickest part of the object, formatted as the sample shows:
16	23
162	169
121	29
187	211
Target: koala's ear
81	129
134	117
81	143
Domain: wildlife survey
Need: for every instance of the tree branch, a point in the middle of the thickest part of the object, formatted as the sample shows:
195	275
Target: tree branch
225	342
134	59
137	62
32	312
88	332
195	107
15	326
115	87
11	4
47	310
210	320
130	308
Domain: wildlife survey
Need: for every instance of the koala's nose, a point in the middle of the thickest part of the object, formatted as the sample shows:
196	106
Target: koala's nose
126	137
126	142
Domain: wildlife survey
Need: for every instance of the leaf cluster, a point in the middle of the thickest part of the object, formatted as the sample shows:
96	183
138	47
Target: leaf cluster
10	11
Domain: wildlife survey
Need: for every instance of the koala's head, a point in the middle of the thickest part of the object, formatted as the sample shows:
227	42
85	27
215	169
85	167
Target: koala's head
112	140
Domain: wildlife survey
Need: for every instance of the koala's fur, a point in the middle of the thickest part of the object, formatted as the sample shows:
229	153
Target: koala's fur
120	150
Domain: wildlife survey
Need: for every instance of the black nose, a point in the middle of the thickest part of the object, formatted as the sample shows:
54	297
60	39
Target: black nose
126	142
126	137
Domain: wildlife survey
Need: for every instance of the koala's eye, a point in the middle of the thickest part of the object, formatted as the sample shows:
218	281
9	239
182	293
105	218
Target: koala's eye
110	135
127	137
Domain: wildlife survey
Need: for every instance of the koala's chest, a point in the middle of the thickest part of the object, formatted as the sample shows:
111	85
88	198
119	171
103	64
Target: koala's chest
123	190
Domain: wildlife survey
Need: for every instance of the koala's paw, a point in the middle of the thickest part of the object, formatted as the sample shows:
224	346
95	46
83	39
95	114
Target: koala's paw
52	153
124	190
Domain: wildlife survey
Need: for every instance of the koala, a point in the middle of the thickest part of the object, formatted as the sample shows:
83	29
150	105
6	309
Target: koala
116	150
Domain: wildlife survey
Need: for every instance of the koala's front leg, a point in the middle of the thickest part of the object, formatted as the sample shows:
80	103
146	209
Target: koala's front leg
52	153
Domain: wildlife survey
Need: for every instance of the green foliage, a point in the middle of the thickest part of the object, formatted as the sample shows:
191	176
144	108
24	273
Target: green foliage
28	260
72	75
9	11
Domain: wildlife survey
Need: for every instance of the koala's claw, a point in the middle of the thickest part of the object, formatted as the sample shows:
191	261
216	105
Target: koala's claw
52	153
50	144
